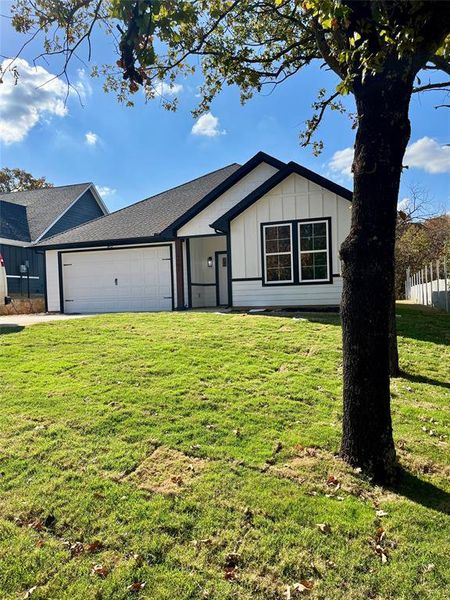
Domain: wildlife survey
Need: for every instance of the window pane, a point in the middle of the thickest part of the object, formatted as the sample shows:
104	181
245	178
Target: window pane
320	273
306	230
320	229
314	265
320	243
307	273
272	261
272	246
320	258
284	260
305	243
307	259
284	232
271	233
284	246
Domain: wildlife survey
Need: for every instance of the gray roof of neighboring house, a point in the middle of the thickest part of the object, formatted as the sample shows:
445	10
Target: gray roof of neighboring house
147	218
42	206
14	222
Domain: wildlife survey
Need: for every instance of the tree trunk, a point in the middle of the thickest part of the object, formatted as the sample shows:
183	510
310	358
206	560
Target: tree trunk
368	271
394	367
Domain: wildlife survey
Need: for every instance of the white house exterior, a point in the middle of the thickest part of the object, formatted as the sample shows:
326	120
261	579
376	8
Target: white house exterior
264	234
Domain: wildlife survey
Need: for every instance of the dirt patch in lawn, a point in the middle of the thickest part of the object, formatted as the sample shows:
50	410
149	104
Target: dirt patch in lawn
166	471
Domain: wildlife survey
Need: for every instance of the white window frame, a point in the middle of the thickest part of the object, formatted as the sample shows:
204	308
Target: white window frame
266	254
300	251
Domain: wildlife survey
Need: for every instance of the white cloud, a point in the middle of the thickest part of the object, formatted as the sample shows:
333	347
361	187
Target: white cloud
83	86
91	138
341	162
404	203
24	104
167	89
207	125
104	191
429	155
426	153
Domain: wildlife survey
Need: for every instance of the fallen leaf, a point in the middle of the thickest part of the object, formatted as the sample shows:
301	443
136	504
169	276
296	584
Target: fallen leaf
230	573
333	481
94	546
100	570
324	527
29	592
136	586
37	525
380	535
302	587
76	549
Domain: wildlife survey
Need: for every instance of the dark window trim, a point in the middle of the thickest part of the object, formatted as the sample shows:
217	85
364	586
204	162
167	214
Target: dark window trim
296	253
264	254
61	278
327	250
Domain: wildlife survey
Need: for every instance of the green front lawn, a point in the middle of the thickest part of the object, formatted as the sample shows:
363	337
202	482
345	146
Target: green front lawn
195	454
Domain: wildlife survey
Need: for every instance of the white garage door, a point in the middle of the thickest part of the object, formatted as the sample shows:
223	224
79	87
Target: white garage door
138	279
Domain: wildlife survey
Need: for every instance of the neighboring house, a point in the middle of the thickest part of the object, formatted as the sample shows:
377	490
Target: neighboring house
28	217
263	234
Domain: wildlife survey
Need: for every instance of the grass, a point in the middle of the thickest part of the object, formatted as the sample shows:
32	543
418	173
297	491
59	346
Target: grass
196	454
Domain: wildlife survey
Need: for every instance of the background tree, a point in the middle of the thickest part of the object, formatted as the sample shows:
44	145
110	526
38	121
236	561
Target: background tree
18	180
376	49
419	242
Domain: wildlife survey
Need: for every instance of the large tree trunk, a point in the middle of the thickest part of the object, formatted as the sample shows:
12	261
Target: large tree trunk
394	367
368	272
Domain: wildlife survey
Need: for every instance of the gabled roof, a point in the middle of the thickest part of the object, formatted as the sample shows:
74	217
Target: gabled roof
45	206
222	224
13	222
245	169
147	220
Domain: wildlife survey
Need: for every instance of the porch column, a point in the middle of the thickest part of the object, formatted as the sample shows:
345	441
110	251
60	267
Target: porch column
179	273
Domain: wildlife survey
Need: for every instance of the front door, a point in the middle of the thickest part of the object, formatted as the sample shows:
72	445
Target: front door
222	278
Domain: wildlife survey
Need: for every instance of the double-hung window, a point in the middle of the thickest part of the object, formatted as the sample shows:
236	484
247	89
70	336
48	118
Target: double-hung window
314	262
277	247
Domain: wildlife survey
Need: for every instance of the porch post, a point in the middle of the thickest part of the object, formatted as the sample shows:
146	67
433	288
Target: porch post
179	273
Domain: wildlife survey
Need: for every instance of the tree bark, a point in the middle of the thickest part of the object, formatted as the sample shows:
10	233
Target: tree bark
368	270
394	367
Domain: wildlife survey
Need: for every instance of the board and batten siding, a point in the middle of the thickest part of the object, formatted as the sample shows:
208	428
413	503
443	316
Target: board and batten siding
85	209
200	224
53	287
294	198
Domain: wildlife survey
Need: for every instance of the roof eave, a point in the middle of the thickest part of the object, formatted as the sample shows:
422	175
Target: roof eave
108	242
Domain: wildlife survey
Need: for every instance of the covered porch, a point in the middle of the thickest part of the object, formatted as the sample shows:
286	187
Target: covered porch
207	276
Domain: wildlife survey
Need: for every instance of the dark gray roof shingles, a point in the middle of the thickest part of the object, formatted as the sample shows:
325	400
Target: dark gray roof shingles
44	205
14	222
148	217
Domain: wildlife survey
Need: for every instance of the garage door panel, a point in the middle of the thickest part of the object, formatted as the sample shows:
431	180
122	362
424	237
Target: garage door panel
119	280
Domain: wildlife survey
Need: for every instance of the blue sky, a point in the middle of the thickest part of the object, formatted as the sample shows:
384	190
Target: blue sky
132	153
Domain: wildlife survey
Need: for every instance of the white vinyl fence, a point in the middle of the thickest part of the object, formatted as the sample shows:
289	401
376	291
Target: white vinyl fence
429	286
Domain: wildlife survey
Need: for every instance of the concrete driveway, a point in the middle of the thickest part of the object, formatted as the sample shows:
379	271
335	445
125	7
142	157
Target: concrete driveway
23	320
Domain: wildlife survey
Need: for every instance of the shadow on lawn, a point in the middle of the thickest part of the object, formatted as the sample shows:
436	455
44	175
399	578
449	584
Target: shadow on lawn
423	379
422	492
5	329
